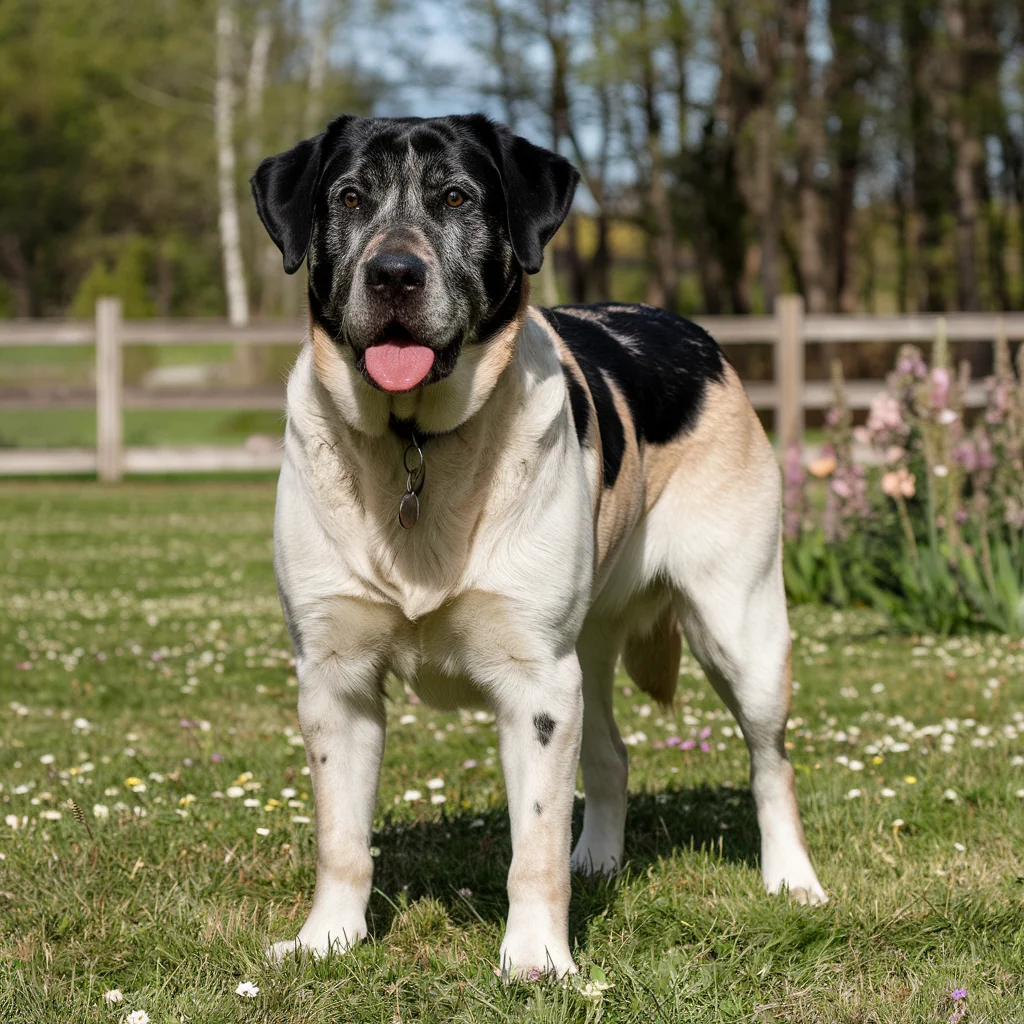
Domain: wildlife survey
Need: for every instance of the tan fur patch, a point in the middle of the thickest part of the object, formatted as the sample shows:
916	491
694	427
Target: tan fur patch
727	439
652	658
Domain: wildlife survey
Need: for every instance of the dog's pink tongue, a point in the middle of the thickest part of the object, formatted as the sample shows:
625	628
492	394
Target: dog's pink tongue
398	365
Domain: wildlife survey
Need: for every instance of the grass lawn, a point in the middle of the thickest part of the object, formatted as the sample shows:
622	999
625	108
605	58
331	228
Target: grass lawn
145	674
58	428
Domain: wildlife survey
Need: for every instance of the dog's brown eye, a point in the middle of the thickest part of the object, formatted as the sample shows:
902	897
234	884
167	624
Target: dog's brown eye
455	197
351	199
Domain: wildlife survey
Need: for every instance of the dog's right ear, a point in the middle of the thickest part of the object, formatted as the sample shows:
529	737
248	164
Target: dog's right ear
284	188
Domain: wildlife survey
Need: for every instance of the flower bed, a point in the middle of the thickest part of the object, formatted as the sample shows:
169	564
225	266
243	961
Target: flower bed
934	536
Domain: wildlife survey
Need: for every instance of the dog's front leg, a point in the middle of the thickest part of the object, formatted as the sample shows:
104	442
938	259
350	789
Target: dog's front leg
539	727
343	729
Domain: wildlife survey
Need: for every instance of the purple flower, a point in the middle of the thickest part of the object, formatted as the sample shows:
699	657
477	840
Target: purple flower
673	741
705	732
186	723
187	762
957	994
940	388
705	748
967	455
885	415
912	365
687	744
216	758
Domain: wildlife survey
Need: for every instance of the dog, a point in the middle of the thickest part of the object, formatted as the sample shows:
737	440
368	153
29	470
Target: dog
493	502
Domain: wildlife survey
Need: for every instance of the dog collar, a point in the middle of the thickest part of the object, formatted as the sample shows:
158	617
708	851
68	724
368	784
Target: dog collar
416	475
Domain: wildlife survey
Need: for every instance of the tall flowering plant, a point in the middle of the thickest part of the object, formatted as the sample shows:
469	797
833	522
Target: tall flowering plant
944	526
827	516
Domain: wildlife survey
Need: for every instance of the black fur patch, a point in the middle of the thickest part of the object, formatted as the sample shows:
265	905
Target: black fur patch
661	363
545	726
289	618
323	759
537	809
578	403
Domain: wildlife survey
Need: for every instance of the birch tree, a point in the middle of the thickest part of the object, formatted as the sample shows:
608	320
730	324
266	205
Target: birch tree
224	127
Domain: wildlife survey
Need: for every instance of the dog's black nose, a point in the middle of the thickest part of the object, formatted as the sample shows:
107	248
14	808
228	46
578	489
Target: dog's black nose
396	272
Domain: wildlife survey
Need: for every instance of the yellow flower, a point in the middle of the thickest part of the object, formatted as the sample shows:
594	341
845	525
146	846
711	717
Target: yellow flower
823	466
187	799
910	780
242	779
132	781
877	759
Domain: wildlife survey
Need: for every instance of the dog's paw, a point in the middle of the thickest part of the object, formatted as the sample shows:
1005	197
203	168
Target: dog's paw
528	957
803	888
316	943
789	870
812	895
596	858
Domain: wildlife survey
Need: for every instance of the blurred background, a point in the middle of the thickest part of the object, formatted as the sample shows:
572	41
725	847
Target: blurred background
866	155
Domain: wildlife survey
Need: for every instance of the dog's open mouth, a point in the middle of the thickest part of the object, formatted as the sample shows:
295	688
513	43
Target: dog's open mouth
396	361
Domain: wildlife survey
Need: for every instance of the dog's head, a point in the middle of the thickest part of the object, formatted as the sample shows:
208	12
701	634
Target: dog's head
417	233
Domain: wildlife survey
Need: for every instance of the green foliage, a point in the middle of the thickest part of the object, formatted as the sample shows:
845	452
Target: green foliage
923	594
818	571
107	139
996	594
129	278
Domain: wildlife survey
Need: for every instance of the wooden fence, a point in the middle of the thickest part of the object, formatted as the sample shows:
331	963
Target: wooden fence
788	396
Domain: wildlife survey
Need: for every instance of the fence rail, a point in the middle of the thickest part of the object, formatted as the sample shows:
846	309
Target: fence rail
788	396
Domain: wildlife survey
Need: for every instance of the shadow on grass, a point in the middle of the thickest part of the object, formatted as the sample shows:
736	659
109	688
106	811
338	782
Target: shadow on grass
462	860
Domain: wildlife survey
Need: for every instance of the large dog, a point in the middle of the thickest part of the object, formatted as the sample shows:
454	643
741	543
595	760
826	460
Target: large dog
493	502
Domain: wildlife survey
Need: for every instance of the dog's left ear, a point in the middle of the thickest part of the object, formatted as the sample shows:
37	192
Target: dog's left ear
539	186
284	188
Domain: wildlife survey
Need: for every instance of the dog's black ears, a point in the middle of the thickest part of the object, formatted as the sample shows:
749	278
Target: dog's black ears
284	188
539	186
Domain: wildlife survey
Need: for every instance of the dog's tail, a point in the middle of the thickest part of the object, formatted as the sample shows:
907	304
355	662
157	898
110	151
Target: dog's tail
651	655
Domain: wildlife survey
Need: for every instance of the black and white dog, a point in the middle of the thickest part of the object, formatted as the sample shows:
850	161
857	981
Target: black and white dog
493	501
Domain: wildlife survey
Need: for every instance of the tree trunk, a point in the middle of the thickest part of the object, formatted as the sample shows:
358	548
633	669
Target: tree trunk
224	121
252	359
255	85
810	150
967	156
18	275
663	274
320	45
929	158
767	213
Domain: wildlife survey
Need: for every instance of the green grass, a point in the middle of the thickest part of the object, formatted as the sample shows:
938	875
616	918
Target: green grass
140	638
58	428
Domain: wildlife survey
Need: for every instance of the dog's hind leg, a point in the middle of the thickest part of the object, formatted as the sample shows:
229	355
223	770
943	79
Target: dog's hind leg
714	535
737	627
603	755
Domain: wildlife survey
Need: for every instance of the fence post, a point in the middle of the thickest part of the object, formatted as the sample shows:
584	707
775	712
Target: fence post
109	387
789	371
